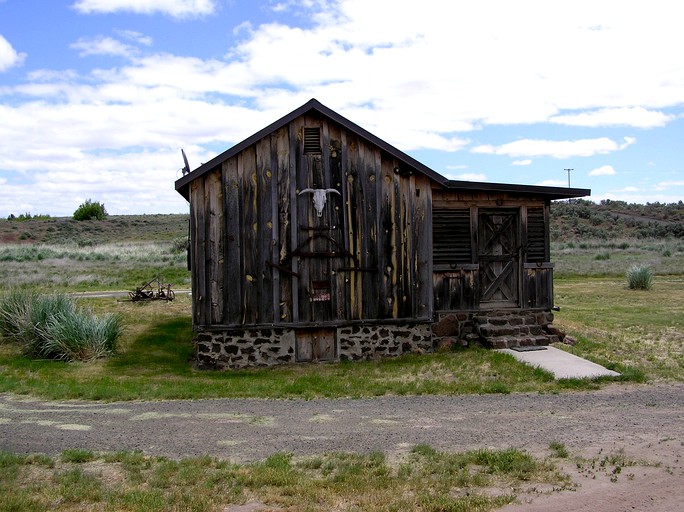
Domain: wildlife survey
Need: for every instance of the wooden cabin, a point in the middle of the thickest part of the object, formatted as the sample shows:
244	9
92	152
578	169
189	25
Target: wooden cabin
314	240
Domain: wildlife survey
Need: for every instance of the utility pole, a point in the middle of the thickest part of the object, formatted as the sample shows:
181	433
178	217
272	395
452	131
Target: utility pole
568	175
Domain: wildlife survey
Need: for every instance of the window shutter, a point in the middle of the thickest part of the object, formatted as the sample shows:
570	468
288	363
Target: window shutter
451	239
536	236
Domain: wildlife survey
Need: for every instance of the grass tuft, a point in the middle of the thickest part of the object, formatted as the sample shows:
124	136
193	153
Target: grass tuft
78	456
640	277
52	327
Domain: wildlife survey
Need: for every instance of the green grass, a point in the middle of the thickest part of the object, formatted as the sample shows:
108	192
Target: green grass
155	362
422	480
636	332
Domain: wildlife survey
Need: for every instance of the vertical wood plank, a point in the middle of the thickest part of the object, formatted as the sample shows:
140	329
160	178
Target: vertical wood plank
422	220
200	271
332	139
248	177
387	242
354	207
294	135
282	247
233	267
193	250
214	246
369	162
264	232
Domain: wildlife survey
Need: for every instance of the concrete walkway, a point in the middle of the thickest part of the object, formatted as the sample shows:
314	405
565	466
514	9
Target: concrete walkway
562	364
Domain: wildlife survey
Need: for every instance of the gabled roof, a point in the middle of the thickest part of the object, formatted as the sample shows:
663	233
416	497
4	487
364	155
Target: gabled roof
182	185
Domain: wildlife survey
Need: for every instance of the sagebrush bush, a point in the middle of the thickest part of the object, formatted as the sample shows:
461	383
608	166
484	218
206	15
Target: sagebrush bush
52	327
90	211
640	277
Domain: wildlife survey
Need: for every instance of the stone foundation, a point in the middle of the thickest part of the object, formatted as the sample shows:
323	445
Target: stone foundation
241	348
374	341
496	329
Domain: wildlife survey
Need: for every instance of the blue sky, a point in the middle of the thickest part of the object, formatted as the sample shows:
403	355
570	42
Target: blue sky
97	97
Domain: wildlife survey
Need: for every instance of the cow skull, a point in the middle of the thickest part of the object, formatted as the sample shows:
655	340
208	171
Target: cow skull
319	197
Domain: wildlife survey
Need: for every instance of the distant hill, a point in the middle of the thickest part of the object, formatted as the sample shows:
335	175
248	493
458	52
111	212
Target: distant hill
611	220
113	229
575	220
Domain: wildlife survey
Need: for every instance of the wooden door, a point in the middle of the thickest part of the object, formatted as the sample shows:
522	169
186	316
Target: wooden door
498	256
316	345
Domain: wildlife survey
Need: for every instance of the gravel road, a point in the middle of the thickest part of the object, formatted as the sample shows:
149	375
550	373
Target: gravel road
647	422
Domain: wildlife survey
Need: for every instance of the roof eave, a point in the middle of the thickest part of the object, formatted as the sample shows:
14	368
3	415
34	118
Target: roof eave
547	192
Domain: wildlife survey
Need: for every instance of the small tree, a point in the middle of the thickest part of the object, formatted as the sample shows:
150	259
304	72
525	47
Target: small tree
90	211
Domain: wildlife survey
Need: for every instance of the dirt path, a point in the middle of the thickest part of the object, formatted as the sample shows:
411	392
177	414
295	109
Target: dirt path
644	423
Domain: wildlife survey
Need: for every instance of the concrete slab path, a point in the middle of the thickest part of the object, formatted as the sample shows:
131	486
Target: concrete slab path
562	364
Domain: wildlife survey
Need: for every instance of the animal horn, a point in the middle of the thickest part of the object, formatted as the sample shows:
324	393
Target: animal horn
306	190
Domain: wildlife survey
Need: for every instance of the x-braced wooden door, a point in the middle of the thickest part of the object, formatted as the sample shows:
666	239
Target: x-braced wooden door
498	256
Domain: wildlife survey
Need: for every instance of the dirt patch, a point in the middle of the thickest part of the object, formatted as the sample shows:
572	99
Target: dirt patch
651	481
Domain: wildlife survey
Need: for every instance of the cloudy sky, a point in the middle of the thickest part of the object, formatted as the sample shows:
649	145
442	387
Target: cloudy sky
97	97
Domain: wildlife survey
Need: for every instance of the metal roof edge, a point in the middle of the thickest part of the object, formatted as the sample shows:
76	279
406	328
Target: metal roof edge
553	192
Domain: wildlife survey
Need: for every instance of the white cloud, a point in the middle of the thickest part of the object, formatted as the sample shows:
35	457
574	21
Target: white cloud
667	185
427	76
136	37
9	56
103	46
605	170
470	176
555	148
637	117
174	8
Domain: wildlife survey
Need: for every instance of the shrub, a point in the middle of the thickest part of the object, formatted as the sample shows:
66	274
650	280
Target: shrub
602	256
640	277
52	327
90	211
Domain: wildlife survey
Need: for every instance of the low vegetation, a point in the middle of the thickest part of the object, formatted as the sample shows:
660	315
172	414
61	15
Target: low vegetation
53	327
423	480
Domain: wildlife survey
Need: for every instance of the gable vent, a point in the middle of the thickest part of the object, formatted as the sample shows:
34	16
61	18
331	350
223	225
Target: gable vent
312	140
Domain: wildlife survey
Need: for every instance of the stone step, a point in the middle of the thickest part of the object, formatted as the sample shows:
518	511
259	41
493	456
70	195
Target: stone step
518	341
505	329
488	331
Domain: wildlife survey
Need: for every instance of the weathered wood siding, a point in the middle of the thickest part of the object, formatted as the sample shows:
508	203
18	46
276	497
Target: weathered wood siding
466	270
262	256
